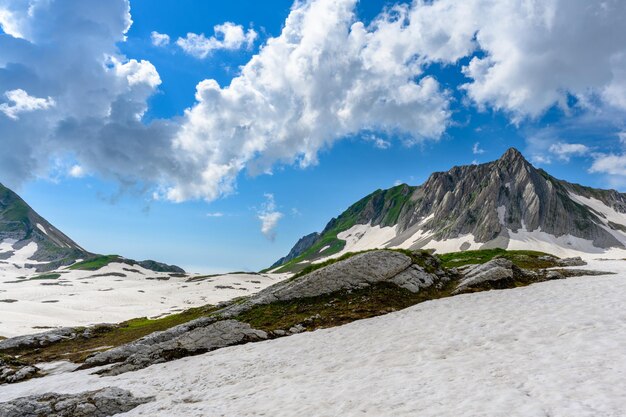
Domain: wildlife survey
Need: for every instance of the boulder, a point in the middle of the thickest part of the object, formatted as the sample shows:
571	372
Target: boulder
101	403
495	270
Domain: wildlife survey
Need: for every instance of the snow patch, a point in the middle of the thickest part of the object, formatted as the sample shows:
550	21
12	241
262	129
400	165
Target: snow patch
84	299
324	248
554	348
43	229
363	237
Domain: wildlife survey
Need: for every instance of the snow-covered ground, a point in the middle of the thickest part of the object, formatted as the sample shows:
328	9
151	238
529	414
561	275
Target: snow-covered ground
551	349
81	298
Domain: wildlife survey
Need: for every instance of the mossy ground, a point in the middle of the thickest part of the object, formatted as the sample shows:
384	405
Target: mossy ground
96	263
47	276
522	258
77	350
338	308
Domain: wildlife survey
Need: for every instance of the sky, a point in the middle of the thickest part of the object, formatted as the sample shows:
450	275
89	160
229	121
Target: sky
213	135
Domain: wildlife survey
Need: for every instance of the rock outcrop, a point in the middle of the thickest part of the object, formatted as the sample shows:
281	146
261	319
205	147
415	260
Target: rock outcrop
221	330
201	336
101	403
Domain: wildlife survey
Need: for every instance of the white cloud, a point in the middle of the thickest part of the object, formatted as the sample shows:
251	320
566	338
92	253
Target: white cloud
227	36
71	93
269	216
76	171
215	214
159	39
22	102
564	151
325	77
622	137
377	141
476	149
541	159
610	164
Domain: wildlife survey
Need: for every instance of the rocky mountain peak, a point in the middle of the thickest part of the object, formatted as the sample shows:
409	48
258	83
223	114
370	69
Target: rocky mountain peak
512	155
504	203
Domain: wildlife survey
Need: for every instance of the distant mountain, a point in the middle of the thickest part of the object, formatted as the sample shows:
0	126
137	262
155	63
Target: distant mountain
22	227
29	241
506	203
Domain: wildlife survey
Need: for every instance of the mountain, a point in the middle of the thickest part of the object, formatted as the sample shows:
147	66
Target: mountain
23	230
507	203
28	241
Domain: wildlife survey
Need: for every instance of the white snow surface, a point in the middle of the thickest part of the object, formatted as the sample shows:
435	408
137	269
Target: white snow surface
40	227
78	298
551	349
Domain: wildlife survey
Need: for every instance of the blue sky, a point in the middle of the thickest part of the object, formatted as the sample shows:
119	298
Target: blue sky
114	193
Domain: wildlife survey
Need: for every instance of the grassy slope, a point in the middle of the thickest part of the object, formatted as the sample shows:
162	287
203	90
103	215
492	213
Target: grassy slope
96	263
521	258
389	203
78	349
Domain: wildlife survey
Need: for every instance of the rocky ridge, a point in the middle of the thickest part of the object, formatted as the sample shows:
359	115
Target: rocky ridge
490	202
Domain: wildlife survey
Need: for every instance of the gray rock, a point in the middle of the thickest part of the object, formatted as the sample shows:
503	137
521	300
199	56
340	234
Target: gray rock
494	270
577	261
38	339
101	403
298	328
554	275
356	272
11	373
145	352
415	278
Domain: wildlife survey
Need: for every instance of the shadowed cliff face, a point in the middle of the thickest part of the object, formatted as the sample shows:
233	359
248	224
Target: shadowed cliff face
489	201
22	225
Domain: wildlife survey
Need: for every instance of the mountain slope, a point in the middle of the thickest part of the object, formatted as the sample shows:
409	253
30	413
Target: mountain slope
506	203
29	242
24	232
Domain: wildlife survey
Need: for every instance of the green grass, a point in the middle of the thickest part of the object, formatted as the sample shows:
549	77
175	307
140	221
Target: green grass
522	258
96	263
46	276
77	350
390	202
338	308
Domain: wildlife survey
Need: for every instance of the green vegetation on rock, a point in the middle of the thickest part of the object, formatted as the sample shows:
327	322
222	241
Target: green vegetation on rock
521	258
338	308
96	263
106	337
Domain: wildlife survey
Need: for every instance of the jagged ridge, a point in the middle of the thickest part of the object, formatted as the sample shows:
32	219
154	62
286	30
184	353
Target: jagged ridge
491	202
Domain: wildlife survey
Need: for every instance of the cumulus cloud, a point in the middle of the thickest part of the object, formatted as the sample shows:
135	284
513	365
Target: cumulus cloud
477	150
325	77
71	93
20	102
269	216
159	39
564	151
227	36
